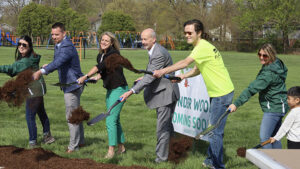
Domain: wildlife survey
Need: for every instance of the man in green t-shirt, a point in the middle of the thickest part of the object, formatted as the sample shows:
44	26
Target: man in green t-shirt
217	80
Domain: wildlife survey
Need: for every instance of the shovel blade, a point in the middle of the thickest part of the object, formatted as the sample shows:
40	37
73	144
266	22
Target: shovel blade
206	132
100	117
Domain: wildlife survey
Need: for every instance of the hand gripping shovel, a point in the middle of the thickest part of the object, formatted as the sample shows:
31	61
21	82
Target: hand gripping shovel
103	115
167	76
70	84
262	144
242	150
208	130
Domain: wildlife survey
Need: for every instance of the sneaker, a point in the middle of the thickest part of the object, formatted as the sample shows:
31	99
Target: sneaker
33	145
48	139
208	166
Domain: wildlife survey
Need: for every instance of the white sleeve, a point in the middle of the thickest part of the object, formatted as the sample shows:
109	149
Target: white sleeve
286	126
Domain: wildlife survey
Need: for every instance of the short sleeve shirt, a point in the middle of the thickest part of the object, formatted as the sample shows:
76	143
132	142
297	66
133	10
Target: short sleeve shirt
210	63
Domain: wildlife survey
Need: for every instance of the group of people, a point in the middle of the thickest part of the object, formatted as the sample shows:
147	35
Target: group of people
160	93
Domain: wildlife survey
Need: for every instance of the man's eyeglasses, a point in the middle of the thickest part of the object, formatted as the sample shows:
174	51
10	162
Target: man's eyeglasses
265	56
187	33
22	44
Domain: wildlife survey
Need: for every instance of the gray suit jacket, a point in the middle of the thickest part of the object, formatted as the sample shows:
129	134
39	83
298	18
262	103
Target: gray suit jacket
158	92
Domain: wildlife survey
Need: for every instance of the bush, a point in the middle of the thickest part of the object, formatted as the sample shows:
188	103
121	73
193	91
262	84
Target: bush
272	39
182	45
224	46
244	46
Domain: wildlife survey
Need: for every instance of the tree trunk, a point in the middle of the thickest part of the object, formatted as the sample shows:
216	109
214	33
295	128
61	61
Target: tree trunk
251	38
285	39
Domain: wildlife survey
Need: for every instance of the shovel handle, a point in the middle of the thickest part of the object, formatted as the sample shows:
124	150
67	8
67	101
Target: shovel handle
111	107
211	128
265	142
167	76
262	144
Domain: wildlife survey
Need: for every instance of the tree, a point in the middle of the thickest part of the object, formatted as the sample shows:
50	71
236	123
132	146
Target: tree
10	10
284	16
281	15
116	21
250	18
73	21
35	20
26	20
221	17
41	22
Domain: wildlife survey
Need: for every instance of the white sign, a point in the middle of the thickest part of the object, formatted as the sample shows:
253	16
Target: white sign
191	114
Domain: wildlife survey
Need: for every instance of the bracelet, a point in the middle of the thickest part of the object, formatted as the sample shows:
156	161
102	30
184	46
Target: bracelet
87	76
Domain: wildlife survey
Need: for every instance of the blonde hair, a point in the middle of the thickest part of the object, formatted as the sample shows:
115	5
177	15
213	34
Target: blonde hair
269	50
114	41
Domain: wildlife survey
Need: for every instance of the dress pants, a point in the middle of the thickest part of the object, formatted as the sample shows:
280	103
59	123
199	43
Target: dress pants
164	129
72	101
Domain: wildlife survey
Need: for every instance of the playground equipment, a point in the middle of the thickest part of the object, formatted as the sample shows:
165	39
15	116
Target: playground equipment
37	41
92	39
129	39
6	39
77	41
167	40
12	39
81	40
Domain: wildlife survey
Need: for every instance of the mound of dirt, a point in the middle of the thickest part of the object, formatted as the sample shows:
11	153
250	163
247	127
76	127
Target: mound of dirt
79	115
179	147
12	157
15	91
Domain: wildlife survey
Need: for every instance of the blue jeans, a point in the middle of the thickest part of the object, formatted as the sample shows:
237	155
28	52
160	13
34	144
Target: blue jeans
218	106
270	124
35	106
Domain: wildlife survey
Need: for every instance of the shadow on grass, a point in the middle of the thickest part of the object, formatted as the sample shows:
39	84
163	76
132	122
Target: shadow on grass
93	140
201	146
133	146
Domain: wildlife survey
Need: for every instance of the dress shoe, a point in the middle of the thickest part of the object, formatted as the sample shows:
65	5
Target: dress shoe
158	160
121	152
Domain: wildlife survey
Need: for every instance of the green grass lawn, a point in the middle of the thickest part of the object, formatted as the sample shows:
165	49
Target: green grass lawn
138	122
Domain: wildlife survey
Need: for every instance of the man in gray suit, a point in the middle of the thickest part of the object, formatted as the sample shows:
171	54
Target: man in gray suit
160	94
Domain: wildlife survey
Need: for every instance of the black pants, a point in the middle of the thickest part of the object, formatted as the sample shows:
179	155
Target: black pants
293	145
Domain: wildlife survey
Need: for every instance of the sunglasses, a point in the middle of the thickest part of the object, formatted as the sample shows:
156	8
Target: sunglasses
187	33
22	44
265	56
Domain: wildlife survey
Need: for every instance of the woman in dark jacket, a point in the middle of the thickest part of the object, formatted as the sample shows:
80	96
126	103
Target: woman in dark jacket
26	58
116	85
270	84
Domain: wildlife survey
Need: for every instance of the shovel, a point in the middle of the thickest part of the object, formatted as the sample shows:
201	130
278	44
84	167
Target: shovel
242	150
262	144
70	84
167	76
102	116
208	130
